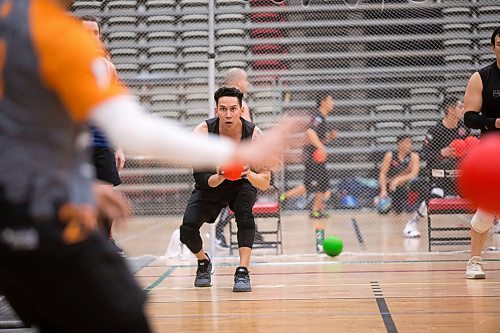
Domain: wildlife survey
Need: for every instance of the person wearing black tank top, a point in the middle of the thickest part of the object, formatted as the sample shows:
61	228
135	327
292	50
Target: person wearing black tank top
235	78
213	191
482	106
397	170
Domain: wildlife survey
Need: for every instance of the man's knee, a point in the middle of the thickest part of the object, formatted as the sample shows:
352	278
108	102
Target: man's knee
482	221
190	236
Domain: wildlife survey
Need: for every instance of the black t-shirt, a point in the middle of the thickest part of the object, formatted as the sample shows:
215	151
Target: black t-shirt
439	137
490	77
320	126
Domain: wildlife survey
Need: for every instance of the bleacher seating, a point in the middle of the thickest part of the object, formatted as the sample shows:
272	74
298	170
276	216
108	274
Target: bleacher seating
387	69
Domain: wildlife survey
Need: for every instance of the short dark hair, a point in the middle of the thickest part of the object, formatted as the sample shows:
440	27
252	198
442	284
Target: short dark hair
91	18
449	101
228	92
495	33
401	137
321	96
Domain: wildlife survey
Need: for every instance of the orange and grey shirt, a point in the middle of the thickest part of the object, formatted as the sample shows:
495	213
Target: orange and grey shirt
51	76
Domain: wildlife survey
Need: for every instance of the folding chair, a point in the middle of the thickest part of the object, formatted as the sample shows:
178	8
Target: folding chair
444	206
266	207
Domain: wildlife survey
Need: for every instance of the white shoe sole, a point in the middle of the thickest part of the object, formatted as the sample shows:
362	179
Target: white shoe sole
412	235
473	276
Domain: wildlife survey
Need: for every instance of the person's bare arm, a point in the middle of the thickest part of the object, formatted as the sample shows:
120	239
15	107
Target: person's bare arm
382	178
473	101
314	139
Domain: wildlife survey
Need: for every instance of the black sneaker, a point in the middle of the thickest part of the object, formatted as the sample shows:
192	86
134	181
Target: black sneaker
118	249
241	280
204	273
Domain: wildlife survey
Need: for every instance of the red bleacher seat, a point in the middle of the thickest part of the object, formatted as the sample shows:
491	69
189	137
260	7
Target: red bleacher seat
266	33
450	205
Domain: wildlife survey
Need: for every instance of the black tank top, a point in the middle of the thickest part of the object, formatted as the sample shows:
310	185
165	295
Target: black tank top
397	166
490	76
246	131
246	134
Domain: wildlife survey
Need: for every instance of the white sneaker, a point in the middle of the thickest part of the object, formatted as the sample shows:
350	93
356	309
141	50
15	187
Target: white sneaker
475	268
411	230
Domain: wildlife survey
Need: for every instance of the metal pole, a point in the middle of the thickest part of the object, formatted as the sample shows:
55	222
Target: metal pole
211	90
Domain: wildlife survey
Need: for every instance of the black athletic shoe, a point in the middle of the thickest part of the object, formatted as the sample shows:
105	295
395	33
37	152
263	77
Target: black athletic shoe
204	273
242	280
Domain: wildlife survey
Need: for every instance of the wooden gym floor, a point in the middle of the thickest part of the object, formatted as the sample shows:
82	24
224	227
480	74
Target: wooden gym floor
388	285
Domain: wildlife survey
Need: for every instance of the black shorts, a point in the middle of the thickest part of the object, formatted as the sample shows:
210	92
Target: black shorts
105	165
205	206
84	287
316	178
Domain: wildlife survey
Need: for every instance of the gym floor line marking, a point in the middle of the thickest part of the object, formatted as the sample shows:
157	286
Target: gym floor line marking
462	283
305	263
340	272
160	279
308	314
291	299
383	308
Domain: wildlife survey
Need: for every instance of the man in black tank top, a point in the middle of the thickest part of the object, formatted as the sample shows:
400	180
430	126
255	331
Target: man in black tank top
397	170
441	158
482	111
213	192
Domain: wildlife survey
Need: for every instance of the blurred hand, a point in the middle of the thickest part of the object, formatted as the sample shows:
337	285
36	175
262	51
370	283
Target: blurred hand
246	171
330	136
119	159
448	152
270	148
110	203
79	221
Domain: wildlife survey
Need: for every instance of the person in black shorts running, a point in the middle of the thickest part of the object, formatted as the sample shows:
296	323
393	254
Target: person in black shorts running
316	178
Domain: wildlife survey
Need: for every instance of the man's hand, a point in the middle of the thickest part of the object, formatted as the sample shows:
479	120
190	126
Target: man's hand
110	203
119	159
246	171
448	152
269	149
330	136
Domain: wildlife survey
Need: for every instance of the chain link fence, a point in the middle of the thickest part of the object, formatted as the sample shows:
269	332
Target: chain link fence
387	65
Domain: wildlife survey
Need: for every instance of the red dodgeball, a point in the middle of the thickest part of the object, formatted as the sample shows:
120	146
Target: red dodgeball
479	177
232	171
460	147
471	142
